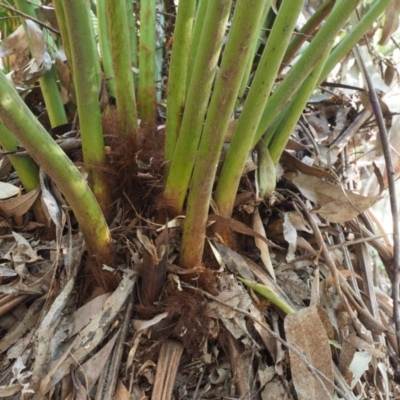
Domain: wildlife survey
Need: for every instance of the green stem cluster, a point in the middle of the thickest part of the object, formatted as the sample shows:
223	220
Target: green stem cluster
255	104
87	78
121	56
245	27
147	64
16	117
196	105
177	76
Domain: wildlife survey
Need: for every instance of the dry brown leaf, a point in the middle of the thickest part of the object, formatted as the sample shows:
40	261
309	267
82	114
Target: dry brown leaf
14	43
305	331
240	228
293	164
84	314
5	167
122	393
261	245
336	204
7	190
91	335
391	21
17	206
22	251
290	235
90	371
27	70
298	222
234	261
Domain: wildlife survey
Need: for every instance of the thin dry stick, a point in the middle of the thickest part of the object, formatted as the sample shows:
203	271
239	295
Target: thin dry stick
321	244
373	98
113	372
26	16
357	241
318	375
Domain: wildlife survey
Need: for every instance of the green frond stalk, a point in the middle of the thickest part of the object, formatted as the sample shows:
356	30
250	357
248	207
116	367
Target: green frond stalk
296	76
48	82
147	65
160	35
177	76
352	37
244	30
261	87
123	77
86	77
26	169
62	24
52	98
292	112
309	27
132	38
256	46
200	16
16	116
196	105
105	49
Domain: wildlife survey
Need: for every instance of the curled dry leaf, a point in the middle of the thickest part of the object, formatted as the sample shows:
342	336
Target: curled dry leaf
7	190
261	245
391	21
240	227
234	261
14	43
5	167
25	69
290	235
17	206
22	251
50	205
336	204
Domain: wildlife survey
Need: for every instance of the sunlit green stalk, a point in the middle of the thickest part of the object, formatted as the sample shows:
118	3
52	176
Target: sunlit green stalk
30	133
24	165
293	80
294	109
147	67
124	88
197	32
26	169
244	30
59	7
355	34
160	35
256	46
177	75
105	50
261	87
52	98
86	76
196	104
132	38
269	294
48	84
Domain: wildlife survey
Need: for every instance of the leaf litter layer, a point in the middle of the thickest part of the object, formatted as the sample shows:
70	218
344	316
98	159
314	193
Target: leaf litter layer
320	326
295	305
